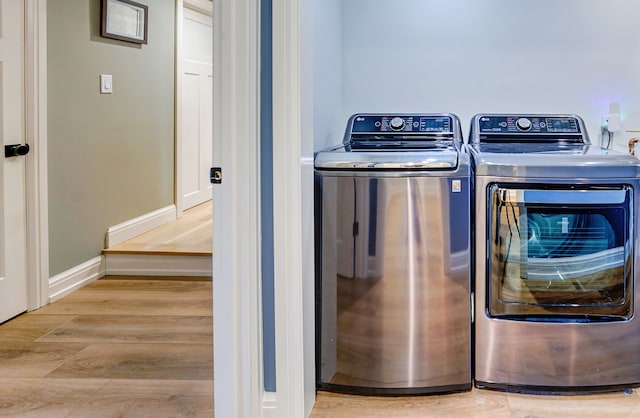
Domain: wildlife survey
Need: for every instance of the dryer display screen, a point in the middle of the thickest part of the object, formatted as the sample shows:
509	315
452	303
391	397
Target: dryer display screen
568	125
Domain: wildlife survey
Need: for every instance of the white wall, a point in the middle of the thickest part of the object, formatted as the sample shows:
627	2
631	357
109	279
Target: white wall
468	57
329	122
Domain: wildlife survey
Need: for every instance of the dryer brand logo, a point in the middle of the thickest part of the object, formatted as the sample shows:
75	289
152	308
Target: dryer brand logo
485	119
360	119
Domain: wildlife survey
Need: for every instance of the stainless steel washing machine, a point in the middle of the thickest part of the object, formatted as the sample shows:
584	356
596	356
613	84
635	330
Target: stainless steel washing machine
556	241
393	257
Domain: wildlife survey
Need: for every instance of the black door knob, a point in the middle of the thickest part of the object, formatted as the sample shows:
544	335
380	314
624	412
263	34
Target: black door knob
16	150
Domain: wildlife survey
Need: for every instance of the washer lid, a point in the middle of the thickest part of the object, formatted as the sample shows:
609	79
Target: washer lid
346	157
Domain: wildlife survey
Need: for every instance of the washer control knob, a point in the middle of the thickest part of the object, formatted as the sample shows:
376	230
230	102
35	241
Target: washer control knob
396	123
523	124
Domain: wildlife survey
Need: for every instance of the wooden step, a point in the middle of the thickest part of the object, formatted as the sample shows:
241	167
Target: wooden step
179	248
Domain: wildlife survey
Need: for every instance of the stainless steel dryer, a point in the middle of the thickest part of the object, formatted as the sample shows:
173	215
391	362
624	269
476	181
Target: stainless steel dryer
393	257
556	257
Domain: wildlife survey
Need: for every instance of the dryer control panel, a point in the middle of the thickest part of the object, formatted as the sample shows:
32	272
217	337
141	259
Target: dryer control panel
516	124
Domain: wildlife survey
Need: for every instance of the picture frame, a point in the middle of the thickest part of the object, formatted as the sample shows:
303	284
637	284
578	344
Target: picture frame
124	20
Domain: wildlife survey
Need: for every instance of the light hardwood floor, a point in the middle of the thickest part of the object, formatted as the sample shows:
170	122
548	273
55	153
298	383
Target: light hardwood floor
118	347
479	404
189	235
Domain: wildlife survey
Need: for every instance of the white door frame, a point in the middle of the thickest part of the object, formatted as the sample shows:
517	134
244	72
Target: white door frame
178	109
36	162
238	358
238	362
205	7
294	350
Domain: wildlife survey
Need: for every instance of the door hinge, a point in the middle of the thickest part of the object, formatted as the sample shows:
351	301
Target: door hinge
215	175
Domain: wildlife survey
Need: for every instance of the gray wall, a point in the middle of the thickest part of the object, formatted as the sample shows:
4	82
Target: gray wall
111	157
466	57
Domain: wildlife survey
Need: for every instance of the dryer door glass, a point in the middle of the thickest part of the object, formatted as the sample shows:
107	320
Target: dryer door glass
560	253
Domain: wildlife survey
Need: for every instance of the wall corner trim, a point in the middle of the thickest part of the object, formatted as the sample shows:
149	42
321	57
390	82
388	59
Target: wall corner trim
136	226
66	282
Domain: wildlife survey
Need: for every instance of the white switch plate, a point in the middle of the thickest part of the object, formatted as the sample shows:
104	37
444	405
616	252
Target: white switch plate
106	84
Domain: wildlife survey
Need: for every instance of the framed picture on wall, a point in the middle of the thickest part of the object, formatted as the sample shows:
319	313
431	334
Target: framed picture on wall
124	20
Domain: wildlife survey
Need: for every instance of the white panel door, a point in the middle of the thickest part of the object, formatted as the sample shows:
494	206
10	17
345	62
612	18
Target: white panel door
13	212
196	112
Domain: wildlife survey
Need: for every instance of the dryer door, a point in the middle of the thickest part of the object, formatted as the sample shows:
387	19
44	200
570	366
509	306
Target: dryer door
560	253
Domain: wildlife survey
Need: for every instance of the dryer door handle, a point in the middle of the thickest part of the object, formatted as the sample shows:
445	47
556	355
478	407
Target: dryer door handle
562	197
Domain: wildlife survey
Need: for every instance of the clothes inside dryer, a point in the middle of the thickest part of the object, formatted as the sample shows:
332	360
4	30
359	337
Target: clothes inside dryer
551	235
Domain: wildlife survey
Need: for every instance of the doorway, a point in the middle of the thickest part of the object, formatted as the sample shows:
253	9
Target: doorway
194	104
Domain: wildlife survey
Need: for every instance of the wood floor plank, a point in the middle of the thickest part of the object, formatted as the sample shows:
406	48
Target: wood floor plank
134	328
130	304
161	286
140	361
25	359
43	398
150	399
28	327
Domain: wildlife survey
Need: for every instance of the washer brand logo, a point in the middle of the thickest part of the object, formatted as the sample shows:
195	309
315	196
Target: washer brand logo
360	119
456	186
485	119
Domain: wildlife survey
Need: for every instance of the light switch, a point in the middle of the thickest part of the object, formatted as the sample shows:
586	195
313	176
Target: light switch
106	84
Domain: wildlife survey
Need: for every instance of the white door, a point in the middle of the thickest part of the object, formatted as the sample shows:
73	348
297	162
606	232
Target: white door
196	108
13	212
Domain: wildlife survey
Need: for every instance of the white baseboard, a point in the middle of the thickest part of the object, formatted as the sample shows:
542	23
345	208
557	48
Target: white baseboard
76	277
157	265
136	226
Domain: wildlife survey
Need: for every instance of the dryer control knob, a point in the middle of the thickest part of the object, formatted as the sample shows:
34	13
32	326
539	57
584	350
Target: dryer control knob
523	124
396	123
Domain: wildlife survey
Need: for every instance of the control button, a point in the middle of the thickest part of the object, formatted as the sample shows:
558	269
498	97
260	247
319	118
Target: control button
416	124
377	124
503	124
543	125
523	124
396	123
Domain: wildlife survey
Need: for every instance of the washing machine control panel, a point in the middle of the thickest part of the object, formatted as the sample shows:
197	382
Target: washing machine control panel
418	124
514	124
